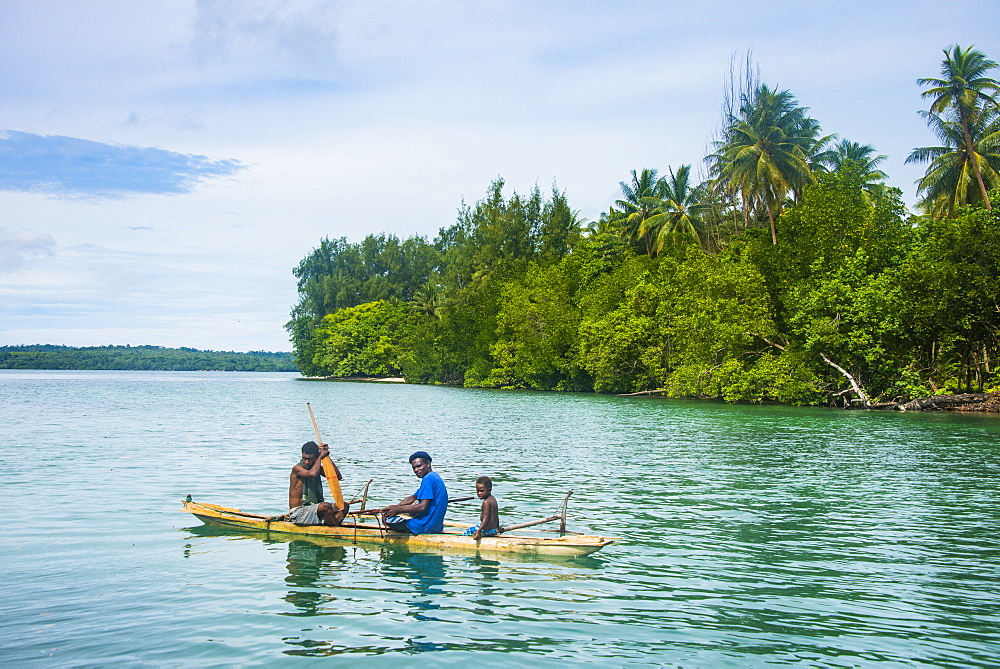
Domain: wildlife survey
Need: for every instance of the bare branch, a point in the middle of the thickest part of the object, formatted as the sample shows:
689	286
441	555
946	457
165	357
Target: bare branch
857	388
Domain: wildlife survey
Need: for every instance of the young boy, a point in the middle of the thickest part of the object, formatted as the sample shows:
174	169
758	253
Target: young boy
489	518
305	490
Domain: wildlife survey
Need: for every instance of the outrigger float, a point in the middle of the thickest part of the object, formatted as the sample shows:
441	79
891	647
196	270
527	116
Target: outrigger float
355	531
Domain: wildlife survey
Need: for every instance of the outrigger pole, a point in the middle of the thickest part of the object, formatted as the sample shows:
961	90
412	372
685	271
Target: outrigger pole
362	495
562	523
561	517
373	512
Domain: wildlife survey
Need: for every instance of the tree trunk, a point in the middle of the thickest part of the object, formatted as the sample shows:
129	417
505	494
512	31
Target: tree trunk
975	163
770	218
939	402
854	384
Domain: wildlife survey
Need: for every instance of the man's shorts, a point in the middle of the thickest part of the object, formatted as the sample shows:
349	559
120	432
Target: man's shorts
307	514
486	533
397	524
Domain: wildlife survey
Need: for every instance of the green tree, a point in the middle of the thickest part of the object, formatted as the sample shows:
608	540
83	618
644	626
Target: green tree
337	274
955	171
722	334
863	156
560	230
950	285
835	304
427	300
490	243
621	340
766	151
963	94
639	215
681	210
363	340
537	327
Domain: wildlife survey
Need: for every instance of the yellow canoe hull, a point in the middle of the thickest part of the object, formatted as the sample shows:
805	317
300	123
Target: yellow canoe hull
356	532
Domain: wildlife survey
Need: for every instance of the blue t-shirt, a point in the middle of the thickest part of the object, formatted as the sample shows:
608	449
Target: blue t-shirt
432	520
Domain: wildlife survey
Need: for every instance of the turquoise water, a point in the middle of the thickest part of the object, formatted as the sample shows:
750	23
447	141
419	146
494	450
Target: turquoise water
752	535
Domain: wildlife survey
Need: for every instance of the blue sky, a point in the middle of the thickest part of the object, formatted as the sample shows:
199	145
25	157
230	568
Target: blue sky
164	165
70	167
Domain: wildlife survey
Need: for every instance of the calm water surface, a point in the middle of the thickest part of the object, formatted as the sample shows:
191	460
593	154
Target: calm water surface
751	535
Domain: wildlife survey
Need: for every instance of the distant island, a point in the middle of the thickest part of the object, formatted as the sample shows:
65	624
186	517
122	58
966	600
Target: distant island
48	356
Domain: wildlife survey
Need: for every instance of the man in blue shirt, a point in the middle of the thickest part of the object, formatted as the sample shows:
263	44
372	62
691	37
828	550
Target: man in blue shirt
426	507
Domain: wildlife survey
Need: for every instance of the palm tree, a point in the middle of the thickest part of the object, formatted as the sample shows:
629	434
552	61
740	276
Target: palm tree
681	209
606	233
427	300
861	155
639	214
955	171
766	152
817	154
963	95
863	158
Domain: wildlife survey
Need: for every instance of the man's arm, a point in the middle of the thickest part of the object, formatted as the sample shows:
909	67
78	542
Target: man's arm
410	505
317	467
324	452
299	472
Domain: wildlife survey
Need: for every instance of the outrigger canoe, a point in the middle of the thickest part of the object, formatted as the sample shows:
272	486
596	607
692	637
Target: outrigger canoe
354	531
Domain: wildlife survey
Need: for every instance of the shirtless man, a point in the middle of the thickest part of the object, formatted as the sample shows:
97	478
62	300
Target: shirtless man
305	490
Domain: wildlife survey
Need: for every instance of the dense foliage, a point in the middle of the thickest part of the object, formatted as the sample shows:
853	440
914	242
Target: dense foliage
47	356
793	274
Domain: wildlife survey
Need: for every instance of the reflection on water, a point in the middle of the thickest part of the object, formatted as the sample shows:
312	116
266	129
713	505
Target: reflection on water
424	574
307	563
485	567
405	594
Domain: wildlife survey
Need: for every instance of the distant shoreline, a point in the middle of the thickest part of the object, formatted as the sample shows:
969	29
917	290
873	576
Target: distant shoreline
142	358
366	379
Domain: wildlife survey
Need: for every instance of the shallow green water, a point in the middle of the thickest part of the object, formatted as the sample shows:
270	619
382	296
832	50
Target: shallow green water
752	535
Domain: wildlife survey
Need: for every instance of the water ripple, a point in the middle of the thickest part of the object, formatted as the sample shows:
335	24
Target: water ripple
751	535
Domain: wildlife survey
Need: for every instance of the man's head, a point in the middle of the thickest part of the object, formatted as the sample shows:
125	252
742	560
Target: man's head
484	487
310	451
421	463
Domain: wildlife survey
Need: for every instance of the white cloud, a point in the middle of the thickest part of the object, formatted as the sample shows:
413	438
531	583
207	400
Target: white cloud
289	36
18	248
237	303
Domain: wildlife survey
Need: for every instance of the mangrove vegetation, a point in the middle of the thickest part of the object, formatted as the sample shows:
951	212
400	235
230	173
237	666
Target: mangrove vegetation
790	272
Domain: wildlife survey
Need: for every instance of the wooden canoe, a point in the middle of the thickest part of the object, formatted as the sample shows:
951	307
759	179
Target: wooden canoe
353	531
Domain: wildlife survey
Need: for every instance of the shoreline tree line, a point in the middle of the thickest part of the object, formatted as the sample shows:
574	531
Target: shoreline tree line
792	273
50	356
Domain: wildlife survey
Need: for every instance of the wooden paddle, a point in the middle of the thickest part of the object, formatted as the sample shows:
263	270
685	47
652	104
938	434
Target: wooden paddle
328	469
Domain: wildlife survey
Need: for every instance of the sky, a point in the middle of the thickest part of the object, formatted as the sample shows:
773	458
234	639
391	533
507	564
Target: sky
165	165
